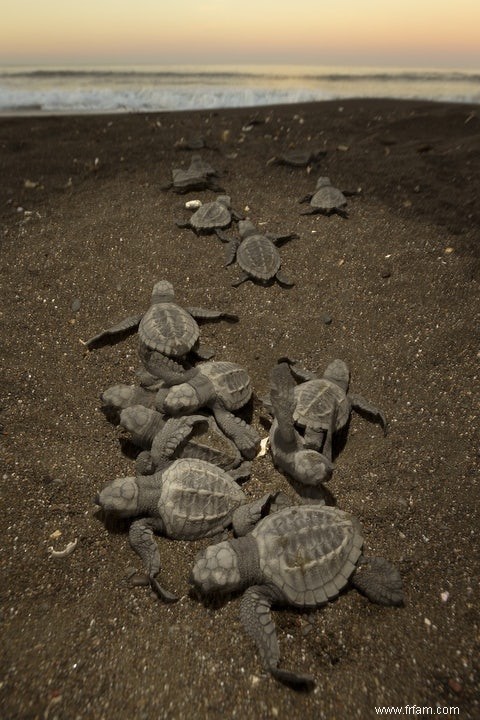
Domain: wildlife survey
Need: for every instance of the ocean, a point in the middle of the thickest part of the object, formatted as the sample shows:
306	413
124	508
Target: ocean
48	90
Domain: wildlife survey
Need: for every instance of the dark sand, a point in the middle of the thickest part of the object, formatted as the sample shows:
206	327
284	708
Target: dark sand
399	280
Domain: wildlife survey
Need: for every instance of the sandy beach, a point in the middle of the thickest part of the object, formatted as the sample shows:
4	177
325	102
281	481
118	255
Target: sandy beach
393	290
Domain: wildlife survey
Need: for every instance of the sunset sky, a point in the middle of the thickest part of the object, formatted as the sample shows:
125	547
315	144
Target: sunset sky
422	33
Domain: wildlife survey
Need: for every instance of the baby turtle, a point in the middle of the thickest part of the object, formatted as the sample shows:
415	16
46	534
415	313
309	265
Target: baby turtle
202	439
302	557
326	199
304	465
212	216
200	175
166	328
298	158
185	500
256	255
317	398
223	387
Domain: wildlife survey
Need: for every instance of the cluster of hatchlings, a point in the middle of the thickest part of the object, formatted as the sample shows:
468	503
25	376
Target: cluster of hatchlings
195	450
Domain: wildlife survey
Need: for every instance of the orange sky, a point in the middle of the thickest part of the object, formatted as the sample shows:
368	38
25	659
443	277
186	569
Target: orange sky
375	32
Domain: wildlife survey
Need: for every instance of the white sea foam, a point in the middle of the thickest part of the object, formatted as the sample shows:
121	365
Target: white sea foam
142	90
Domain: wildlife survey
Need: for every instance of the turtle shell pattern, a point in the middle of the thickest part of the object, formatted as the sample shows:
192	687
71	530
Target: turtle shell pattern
314	403
258	257
328	198
231	382
211	215
168	328
197	499
309	552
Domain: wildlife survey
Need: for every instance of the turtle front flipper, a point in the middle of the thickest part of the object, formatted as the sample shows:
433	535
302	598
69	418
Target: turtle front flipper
206	314
364	407
245	437
256	618
243	278
175	432
124	326
143	543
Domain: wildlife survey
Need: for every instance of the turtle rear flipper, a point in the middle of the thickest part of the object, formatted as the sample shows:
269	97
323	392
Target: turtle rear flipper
246	516
378	580
230	251
363	407
283	280
129	324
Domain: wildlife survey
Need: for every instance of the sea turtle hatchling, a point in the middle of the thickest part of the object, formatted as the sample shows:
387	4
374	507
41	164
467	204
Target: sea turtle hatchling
223	387
326	199
305	465
203	439
165	328
316	398
185	500
212	216
297	158
200	175
256	255
300	556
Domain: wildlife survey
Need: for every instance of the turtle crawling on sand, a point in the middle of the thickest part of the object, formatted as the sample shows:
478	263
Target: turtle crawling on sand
203	440
200	175
303	464
184	500
326	199
165	328
301	557
212	216
317	398
256	255
297	158
223	387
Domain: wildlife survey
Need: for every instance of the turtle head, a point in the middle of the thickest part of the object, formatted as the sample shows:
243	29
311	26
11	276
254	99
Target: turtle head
118	396
246	228
162	292
120	497
311	467
216	570
224	200
189	396
338	373
322	182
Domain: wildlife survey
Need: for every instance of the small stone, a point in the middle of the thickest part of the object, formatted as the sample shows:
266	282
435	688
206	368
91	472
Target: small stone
449	250
193	204
427	622
455	686
343	148
55	535
326	319
444	596
76	305
385	272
